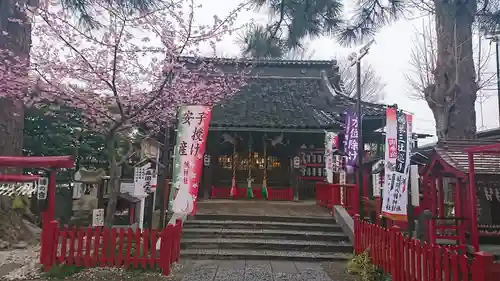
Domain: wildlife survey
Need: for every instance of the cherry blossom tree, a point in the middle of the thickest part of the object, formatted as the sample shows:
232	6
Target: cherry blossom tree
131	72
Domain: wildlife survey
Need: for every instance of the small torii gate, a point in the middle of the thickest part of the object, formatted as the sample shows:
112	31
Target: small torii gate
50	163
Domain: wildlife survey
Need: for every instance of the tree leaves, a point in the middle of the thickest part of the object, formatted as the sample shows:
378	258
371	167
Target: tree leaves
295	20
85	12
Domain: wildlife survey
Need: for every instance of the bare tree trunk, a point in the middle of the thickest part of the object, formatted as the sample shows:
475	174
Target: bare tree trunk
452	96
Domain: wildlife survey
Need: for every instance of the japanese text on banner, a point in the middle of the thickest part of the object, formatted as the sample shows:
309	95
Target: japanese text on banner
397	163
351	141
191	137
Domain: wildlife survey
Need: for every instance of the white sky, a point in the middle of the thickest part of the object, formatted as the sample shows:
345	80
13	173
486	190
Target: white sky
389	56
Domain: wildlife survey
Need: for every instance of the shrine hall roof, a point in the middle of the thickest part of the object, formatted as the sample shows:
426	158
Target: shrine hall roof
454	154
288	94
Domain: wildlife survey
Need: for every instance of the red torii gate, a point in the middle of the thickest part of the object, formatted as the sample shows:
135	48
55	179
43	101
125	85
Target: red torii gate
41	162
45	162
18	178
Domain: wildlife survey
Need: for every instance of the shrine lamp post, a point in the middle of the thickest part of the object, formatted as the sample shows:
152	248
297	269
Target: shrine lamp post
355	59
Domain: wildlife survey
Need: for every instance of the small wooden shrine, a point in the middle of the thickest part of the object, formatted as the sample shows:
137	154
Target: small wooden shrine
462	203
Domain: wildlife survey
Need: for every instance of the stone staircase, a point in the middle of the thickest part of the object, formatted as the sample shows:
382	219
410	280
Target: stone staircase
264	238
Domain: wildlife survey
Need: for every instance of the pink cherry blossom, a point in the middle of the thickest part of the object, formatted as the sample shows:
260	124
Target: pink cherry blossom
131	71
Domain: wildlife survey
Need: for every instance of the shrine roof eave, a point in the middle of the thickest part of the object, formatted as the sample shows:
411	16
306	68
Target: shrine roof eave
54	162
290	129
18	178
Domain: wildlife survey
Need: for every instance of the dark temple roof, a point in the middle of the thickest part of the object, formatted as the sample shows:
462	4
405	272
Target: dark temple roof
284	102
287	94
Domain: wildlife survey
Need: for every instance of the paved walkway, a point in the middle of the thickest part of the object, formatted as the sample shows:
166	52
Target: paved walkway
261	208
241	270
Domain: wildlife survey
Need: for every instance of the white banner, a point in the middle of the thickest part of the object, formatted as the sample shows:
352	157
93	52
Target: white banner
330	147
145	179
397	164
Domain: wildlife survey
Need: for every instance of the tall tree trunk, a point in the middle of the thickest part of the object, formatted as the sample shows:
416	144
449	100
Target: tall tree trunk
114	182
453	95
15	40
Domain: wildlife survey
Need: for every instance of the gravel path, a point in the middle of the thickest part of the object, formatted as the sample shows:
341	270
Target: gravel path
237	270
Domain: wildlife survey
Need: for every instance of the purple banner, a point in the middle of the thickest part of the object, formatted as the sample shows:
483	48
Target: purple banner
351	139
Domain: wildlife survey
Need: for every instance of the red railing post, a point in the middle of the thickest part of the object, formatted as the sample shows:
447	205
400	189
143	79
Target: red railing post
482	267
357	235
166	249
394	253
356	199
177	240
49	245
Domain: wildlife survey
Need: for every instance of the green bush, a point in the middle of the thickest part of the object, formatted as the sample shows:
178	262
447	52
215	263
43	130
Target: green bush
361	265
61	271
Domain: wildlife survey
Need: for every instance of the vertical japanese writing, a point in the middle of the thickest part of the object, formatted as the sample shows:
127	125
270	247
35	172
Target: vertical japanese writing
402	142
393	148
185	173
351	138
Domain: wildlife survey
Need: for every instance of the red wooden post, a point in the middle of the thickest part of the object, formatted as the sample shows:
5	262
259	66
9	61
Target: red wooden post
333	201
121	245
104	248
79	248
145	252
166	249
440	197
152	258
177	239
394	253
432	191
137	247
50	243
459	211
357	234
128	255
481	267
472	202
88	241
112	248
131	210
64	243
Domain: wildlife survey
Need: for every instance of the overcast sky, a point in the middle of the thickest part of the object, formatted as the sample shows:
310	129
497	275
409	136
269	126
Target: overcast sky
389	56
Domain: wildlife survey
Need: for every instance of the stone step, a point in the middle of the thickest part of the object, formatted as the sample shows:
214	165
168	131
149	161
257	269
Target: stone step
241	224
263	234
240	254
325	219
266	244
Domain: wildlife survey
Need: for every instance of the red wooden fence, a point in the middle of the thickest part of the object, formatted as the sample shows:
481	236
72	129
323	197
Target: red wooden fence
346	195
116	247
409	259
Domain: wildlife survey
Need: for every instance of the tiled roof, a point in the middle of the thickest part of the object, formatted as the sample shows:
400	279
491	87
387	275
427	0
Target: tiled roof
289	94
453	153
285	103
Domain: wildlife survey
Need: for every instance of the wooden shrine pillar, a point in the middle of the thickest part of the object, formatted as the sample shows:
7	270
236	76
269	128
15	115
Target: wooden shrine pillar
209	162
440	197
459	187
214	164
433	195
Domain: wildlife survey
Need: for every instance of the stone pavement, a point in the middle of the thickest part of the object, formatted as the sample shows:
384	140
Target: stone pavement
241	270
261	208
